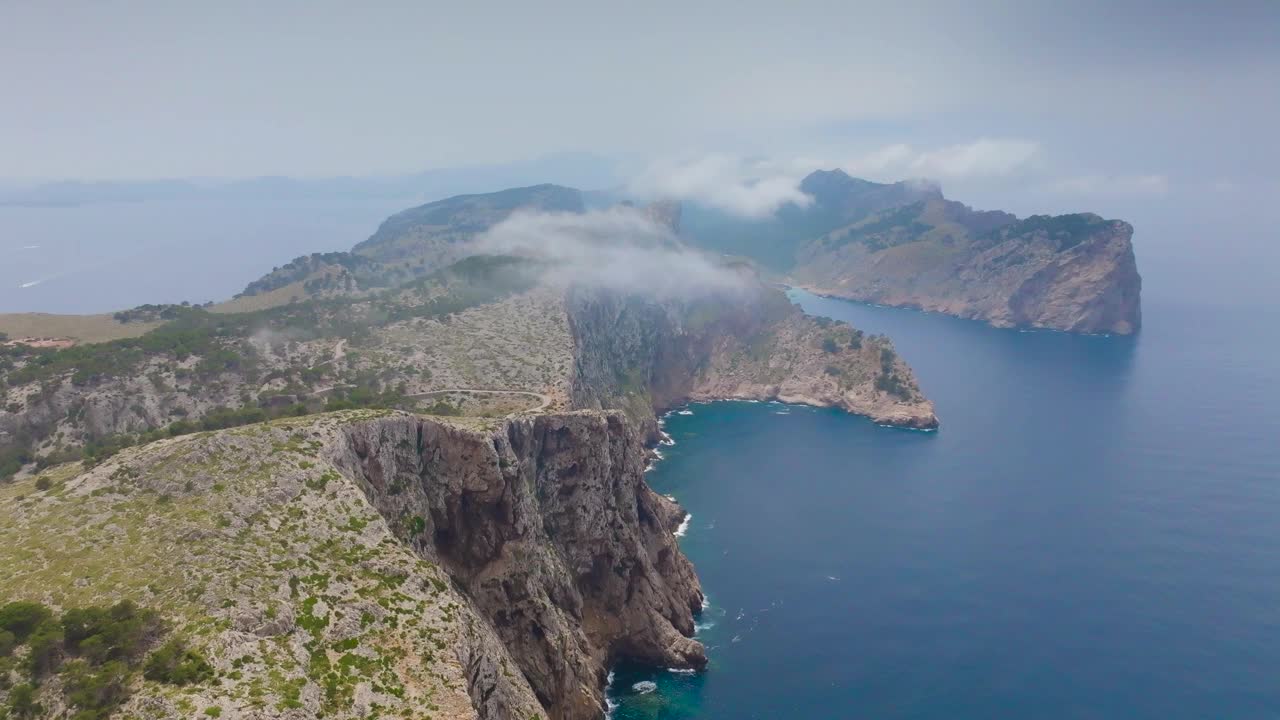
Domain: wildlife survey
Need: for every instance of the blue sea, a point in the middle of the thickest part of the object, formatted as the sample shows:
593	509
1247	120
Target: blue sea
1094	532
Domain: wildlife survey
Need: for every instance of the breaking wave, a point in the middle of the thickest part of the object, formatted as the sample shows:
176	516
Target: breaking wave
684	525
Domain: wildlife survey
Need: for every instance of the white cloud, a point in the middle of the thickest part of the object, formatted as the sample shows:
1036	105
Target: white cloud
620	248
983	158
1150	184
750	188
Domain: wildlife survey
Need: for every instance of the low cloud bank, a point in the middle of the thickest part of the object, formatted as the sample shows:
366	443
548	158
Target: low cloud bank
1151	184
756	188
983	158
620	248
740	186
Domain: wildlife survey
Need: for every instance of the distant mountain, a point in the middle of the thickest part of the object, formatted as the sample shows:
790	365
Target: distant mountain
577	169
435	230
905	244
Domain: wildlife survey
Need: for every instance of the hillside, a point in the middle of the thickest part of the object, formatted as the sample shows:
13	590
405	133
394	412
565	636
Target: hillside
1070	272
361	563
395	495
433	233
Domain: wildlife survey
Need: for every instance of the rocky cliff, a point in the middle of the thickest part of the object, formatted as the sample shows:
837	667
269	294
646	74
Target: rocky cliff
548	527
645	356
371	562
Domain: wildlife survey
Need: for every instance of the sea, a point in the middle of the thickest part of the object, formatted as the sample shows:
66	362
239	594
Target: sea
1093	532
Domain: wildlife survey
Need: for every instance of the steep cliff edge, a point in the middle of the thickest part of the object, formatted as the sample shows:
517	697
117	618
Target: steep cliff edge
370	563
645	356
547	525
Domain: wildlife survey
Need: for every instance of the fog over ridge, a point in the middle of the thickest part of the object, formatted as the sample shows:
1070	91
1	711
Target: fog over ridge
618	248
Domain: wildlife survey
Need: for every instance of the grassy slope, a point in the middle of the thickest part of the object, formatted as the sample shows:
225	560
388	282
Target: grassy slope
254	547
83	328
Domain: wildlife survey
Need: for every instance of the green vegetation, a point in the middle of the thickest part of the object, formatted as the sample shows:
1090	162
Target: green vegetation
855	339
193	332
366	272
1067	230
152	313
95	651
176	664
888	229
888	380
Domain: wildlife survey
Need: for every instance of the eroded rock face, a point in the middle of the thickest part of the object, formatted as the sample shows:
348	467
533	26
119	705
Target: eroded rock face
1031	273
546	524
642	355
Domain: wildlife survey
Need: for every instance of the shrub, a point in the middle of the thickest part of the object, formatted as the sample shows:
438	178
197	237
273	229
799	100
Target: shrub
121	632
829	345
22	618
175	664
22	701
96	691
43	483
44	649
7	642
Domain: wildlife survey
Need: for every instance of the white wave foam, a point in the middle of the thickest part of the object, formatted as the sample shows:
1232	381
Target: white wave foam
666	439
684	525
30	247
672	498
684	412
609	704
699	627
644	687
33	283
682	671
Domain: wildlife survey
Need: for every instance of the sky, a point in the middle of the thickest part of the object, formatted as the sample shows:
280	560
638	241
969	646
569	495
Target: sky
1163	111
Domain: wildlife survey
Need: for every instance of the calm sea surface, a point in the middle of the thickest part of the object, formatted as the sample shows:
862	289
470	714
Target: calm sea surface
1093	533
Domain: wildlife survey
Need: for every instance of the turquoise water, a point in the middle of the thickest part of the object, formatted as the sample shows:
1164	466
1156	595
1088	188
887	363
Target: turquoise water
1093	533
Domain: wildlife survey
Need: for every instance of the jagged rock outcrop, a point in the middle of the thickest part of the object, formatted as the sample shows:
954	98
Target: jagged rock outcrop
547	525
644	356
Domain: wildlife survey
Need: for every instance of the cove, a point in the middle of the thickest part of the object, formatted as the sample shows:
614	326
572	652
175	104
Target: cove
1093	532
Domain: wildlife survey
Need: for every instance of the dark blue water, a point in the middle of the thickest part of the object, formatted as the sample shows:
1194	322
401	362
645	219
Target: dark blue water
1093	533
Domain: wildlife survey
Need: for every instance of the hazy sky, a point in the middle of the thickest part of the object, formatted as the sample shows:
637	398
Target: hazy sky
107	89
1161	111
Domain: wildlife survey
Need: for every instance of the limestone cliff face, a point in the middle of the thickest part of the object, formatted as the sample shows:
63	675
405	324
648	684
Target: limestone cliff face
1072	272
546	524
644	355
